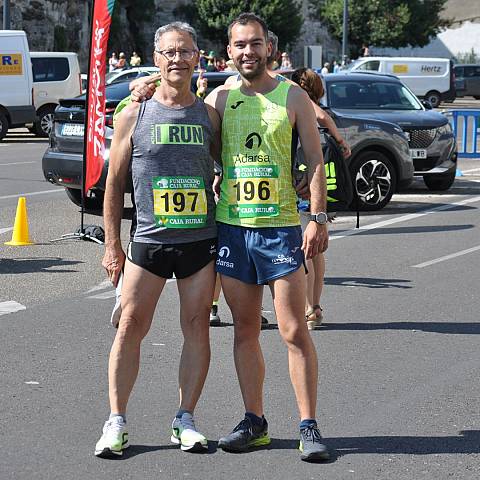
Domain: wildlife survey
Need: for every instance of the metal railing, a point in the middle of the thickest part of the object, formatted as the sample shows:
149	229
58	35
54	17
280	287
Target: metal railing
466	127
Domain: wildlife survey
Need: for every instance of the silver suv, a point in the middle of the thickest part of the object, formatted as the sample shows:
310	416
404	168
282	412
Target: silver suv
431	141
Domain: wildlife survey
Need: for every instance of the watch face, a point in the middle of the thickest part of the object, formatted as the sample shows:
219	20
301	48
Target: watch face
320	218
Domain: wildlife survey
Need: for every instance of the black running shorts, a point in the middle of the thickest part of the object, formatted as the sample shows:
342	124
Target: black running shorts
181	259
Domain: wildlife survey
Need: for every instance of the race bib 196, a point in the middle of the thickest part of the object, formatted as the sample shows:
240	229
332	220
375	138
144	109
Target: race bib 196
253	191
179	202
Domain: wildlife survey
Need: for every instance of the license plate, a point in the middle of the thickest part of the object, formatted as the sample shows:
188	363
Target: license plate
418	153
73	130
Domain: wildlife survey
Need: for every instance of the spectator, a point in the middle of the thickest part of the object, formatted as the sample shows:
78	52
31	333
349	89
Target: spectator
135	60
202	63
122	62
112	62
221	64
325	69
286	63
364	51
211	61
336	66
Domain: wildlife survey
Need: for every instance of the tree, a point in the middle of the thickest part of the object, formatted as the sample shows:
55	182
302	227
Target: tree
212	17
383	23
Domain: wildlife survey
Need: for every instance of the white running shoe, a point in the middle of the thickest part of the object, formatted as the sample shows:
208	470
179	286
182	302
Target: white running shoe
114	439
185	434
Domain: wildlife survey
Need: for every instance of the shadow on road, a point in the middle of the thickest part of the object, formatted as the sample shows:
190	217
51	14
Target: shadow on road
368	282
455	328
32	265
467	442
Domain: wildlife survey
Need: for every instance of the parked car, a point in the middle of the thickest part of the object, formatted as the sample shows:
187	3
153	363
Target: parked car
467	80
432	143
429	78
129	74
56	75
62	162
16	83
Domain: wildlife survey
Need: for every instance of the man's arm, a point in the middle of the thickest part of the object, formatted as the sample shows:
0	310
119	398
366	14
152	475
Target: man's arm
120	153
216	147
302	116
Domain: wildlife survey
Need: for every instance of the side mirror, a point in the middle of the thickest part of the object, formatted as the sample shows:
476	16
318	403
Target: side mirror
426	104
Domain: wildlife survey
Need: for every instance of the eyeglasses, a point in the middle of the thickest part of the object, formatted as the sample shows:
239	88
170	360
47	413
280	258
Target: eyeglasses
171	54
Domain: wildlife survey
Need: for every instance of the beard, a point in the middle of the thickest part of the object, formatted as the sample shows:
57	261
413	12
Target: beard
252	74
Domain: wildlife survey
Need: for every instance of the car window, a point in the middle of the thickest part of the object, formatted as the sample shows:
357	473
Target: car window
370	95
50	69
372	65
459	73
469	71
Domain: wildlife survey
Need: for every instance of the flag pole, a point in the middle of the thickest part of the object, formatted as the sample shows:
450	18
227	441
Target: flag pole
80	233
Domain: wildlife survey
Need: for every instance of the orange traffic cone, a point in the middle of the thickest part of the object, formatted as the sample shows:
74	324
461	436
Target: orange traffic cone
20	229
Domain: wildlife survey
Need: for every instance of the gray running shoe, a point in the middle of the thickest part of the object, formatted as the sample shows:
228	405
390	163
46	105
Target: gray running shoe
244	436
214	317
311	446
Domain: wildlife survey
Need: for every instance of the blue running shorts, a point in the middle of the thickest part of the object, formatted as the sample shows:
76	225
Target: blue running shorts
258	255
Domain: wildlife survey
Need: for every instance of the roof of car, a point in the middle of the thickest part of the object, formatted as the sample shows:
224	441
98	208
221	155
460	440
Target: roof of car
360	76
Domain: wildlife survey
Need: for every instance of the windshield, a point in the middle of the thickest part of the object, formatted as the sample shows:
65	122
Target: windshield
371	95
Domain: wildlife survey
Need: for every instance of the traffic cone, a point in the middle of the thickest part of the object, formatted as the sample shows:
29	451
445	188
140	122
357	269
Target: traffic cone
20	229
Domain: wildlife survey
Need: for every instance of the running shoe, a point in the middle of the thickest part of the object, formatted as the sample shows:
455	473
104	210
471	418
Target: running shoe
114	439
185	434
244	436
214	317
311	446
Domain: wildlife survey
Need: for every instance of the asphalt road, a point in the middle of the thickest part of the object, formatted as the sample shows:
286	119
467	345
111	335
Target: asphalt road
398	355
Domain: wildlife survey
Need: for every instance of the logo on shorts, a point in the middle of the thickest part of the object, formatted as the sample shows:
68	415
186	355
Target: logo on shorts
224	253
213	248
283	259
250	140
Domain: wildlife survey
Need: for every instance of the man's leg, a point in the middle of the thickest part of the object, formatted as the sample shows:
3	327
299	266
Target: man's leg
140	293
289	299
245	303
196	294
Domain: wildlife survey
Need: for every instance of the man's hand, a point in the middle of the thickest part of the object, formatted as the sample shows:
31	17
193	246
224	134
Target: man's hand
143	88
315	240
216	187
202	84
113	261
345	147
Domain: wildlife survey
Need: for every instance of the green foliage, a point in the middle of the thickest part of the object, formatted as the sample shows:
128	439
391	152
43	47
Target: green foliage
59	39
468	57
212	17
382	23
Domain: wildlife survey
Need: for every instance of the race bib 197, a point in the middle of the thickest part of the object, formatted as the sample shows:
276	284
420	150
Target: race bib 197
179	202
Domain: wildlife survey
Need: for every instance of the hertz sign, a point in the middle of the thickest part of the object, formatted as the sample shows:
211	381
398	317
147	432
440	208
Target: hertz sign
11	64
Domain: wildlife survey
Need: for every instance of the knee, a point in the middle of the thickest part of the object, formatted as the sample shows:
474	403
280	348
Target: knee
246	333
131	329
295	335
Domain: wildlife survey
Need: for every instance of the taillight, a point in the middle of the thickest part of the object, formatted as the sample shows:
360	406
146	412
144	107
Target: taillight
109	117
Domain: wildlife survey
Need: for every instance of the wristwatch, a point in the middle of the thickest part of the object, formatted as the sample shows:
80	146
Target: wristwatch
321	218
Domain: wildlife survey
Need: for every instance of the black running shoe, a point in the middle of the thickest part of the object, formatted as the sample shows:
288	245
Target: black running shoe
311	446
244	436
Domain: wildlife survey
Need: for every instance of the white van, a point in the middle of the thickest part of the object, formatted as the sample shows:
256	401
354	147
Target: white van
429	78
16	87
56	75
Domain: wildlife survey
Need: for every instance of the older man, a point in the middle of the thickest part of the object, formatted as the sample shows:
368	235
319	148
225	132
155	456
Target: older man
168	142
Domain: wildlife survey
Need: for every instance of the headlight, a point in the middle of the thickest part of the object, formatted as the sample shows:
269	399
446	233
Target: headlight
444	129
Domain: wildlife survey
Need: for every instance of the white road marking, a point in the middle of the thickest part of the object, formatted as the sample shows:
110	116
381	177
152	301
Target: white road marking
158	344
5	230
29	194
14	163
11	307
404	218
447	257
31	382
104	295
101	286
471	170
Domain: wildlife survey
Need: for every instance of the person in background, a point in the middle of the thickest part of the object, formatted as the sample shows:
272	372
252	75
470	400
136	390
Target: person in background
202	64
312	84
286	62
135	60
122	62
112	62
221	64
336	67
364	52
325	70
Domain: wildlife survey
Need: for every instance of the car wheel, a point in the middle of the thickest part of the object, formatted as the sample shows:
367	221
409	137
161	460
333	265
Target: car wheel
439	182
3	126
43	126
374	180
93	202
476	97
434	98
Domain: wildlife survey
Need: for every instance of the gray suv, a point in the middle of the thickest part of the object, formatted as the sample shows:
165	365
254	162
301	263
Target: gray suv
431	141
467	80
